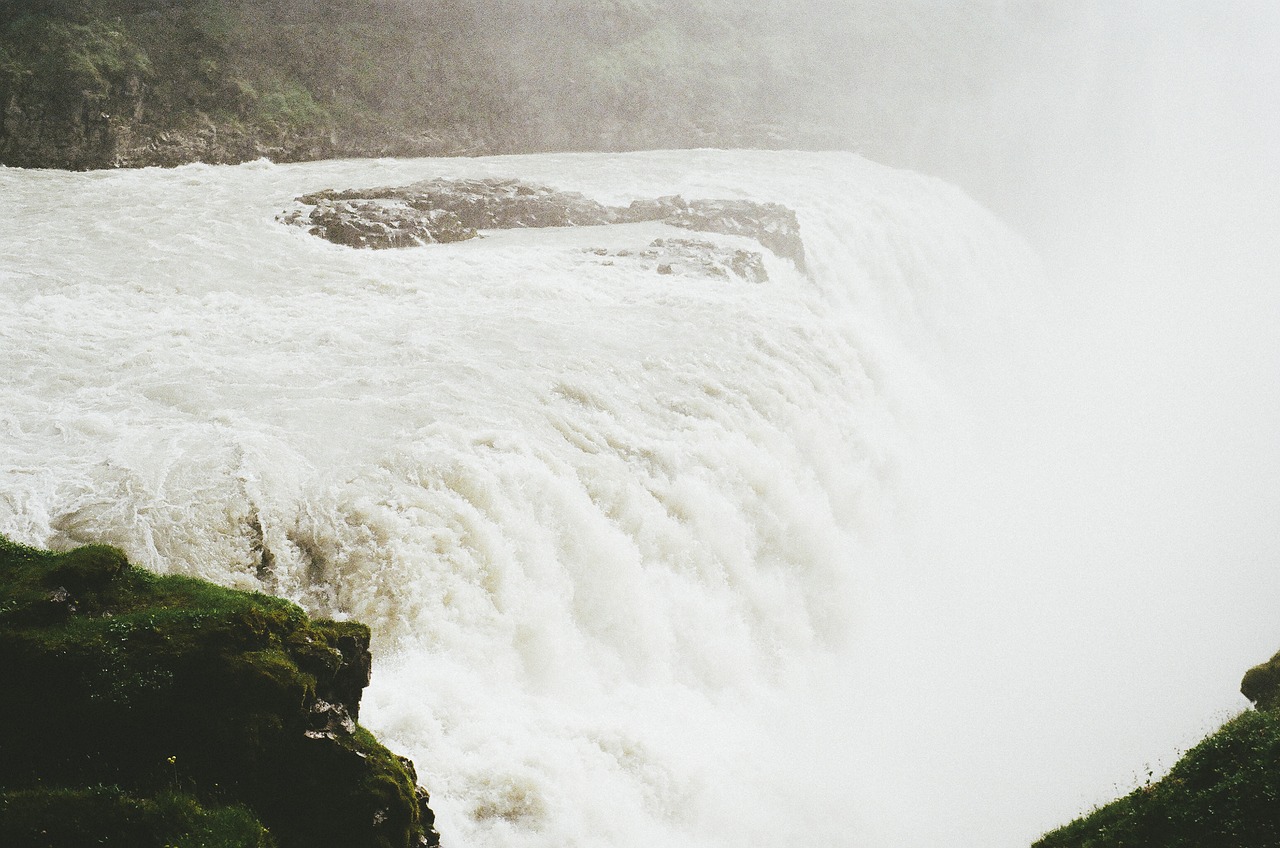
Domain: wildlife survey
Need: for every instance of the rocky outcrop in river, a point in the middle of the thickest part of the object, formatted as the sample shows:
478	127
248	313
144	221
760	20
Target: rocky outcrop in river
441	210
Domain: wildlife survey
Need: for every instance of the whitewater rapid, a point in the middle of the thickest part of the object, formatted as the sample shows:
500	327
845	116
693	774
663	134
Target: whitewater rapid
612	529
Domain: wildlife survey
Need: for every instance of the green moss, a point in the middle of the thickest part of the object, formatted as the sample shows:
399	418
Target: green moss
287	106
107	816
1261	684
70	60
118	677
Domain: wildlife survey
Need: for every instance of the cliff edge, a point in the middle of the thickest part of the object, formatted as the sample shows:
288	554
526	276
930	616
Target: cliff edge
165	711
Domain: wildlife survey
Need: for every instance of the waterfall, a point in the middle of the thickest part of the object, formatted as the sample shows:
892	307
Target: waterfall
614	530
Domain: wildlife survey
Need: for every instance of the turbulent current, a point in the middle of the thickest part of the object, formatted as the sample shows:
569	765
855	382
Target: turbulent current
613	529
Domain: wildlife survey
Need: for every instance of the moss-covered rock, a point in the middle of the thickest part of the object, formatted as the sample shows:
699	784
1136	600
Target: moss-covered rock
170	687
1224	793
1261	684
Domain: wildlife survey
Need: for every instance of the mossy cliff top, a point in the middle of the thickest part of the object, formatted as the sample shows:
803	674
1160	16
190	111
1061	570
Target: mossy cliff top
143	710
1224	793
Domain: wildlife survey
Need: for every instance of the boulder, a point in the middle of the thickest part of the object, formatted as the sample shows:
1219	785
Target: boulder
384	222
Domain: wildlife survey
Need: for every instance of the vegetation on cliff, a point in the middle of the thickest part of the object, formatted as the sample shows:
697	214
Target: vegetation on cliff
166	711
1225	792
100	83
95	83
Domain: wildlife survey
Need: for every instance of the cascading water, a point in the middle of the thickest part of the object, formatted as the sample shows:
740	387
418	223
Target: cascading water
612	529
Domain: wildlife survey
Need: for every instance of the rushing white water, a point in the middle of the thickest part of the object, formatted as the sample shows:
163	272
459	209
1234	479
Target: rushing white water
613	530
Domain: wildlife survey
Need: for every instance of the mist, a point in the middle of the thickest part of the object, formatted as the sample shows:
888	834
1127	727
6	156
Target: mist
1088	567
1093	568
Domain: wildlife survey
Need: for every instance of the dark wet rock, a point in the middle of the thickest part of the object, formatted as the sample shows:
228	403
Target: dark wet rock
443	210
61	603
691	257
503	204
656	209
772	224
438	211
430	838
388	222
329	721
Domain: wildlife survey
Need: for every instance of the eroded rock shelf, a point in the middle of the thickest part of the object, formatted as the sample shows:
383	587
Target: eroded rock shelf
440	211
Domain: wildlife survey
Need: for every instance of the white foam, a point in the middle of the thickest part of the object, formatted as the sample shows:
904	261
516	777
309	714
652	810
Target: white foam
609	526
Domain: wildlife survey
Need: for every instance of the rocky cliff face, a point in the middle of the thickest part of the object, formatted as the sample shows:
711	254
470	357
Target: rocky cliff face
34	130
126	83
117	132
110	83
162	687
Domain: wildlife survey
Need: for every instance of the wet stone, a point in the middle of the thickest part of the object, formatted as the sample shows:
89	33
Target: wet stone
441	210
692	258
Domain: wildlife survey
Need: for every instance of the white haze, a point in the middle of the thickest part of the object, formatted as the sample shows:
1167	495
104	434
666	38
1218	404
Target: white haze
1109	568
886	557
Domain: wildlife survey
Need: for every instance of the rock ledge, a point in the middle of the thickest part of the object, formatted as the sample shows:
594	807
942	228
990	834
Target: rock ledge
441	210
